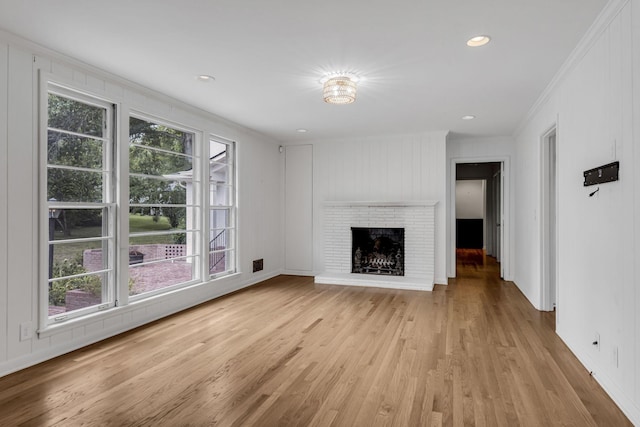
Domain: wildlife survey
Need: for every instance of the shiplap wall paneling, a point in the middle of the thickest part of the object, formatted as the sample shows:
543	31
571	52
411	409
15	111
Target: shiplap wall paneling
623	338
383	168
635	19
299	208
593	105
260	218
21	256
259	175
4	244
595	284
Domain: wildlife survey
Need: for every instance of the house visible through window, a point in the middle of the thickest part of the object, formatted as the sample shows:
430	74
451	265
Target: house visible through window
163	208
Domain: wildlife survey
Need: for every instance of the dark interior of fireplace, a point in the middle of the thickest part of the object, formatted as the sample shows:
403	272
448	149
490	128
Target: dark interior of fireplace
377	251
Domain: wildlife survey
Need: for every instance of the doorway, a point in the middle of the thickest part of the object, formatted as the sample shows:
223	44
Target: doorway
478	211
549	243
496	171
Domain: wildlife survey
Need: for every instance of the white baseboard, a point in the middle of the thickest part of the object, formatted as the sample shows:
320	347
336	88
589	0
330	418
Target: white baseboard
625	402
182	303
441	281
305	273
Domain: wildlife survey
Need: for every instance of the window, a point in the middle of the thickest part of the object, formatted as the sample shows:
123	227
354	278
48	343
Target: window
79	211
163	208
151	190
222	227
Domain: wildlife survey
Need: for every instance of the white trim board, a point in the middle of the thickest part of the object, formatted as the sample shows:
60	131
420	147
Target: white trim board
375	281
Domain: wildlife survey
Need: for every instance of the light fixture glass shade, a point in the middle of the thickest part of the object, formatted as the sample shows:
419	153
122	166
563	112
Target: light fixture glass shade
339	90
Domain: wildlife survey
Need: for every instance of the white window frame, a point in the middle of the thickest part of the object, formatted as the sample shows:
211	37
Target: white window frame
231	208
50	85
119	111
197	231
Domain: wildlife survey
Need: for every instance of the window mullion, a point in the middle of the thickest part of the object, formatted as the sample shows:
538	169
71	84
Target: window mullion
122	242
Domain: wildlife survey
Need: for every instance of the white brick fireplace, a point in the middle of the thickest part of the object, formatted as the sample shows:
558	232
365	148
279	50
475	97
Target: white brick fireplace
418	221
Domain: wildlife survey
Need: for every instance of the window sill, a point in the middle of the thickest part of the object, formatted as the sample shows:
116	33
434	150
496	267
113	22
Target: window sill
83	321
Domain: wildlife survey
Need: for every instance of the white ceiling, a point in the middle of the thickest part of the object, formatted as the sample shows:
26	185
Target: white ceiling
268	55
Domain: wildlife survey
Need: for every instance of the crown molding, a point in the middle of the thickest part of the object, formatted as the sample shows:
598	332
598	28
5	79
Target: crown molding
602	22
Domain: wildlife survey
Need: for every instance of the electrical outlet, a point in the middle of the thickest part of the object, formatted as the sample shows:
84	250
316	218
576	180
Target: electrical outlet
258	265
26	331
614	356
596	341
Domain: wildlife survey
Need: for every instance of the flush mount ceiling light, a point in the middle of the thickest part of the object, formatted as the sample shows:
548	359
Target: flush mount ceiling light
339	88
468	117
478	41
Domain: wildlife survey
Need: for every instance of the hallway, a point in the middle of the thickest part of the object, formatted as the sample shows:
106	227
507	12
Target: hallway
474	263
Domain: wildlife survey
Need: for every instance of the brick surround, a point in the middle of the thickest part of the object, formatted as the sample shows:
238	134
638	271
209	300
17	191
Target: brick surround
418	220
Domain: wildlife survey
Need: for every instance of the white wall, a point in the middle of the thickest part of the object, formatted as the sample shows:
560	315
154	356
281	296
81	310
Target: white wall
592	103
470	199
259	170
480	148
4	243
385	168
298	210
635	303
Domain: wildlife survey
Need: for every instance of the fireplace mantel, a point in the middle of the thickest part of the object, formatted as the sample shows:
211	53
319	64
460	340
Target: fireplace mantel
416	217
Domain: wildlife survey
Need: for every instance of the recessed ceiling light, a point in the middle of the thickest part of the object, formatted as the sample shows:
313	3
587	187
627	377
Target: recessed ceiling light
468	117
205	78
301	130
478	41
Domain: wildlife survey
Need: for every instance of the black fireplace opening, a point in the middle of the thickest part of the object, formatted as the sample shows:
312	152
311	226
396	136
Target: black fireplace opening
377	251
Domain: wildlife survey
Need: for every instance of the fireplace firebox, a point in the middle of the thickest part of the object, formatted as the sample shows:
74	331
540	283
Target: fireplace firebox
377	251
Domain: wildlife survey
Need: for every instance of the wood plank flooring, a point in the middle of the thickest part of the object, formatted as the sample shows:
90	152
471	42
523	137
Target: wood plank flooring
291	353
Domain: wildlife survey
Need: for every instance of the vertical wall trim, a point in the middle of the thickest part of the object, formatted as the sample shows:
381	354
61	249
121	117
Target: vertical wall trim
546	303
21	187
299	209
635	135
4	245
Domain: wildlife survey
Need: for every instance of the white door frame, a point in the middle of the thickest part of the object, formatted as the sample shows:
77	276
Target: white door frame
496	182
548	297
506	269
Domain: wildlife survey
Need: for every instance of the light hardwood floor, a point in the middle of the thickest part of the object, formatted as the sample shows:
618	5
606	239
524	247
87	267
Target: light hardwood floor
288	352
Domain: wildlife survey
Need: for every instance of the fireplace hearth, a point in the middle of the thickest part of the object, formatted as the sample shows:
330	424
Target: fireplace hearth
377	251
